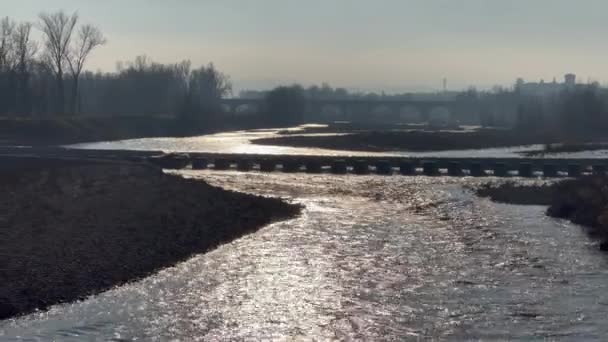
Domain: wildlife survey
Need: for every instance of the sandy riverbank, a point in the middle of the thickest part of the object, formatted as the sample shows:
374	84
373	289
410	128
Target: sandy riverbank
69	232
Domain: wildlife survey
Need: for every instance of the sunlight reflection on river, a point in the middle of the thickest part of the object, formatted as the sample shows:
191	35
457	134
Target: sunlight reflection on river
371	258
240	142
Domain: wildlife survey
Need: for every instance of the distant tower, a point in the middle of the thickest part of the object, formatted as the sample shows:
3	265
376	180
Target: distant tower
570	80
445	85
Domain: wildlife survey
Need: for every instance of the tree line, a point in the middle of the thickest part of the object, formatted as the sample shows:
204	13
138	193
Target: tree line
48	78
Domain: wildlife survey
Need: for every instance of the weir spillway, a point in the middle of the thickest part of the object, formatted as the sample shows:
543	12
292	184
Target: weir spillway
389	165
404	166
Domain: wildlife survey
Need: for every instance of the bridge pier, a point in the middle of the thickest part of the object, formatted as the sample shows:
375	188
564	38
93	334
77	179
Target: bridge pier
361	167
221	164
430	169
549	171
574	170
291	166
313	166
455	169
244	165
199	164
339	167
384	167
407	169
476	170
525	170
267	165
500	170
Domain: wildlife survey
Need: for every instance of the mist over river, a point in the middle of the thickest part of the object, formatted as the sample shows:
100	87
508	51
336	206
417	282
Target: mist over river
371	258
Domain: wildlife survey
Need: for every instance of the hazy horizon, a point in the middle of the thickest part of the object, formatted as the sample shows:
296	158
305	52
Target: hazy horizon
391	45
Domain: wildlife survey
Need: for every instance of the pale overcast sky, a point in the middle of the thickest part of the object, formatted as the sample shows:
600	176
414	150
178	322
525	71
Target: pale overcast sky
367	44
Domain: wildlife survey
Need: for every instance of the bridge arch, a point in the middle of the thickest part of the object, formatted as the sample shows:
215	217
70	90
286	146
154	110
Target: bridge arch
383	113
440	116
410	114
246	109
332	112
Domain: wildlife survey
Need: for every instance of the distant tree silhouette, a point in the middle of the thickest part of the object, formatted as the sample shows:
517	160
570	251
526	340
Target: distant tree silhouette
58	29
286	105
88	38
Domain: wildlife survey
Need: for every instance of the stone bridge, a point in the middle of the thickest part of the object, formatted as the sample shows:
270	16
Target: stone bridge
361	110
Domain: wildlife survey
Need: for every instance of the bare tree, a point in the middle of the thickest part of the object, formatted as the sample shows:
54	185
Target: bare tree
89	37
58	29
7	26
25	50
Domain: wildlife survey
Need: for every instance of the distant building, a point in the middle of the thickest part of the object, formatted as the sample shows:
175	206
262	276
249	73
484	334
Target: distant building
545	89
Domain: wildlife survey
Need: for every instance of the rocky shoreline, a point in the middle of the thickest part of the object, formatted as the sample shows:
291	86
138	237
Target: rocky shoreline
583	201
68	232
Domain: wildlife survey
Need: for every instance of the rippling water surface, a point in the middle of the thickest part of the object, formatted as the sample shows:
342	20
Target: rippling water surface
240	142
371	258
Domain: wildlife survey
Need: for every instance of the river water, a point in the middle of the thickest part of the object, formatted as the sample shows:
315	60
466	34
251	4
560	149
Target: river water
239	142
370	258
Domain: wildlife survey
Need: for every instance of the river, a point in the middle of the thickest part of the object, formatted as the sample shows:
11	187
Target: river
239	142
371	258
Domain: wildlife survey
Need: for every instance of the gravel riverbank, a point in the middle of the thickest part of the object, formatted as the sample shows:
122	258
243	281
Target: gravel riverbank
70	232
583	201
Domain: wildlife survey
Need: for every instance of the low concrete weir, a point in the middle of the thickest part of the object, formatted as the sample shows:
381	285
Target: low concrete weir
339	167
526	170
454	167
408	166
384	167
574	170
430	169
200	163
267	165
361	167
476	170
221	164
244	165
313	167
407	169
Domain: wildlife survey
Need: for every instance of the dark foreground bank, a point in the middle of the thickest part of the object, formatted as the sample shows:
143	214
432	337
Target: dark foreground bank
583	201
69	232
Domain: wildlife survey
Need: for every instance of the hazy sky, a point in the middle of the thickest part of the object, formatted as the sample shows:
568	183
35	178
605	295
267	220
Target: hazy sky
367	44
